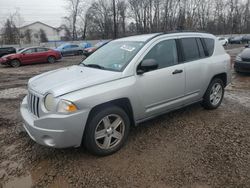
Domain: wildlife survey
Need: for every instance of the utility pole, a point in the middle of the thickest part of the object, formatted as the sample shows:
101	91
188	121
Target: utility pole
115	24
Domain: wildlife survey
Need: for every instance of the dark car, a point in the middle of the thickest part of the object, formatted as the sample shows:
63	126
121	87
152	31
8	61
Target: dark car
246	39
88	51
30	56
6	51
236	40
242	61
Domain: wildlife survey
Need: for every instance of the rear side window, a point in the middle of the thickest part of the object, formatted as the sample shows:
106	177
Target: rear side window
190	49
30	51
209	46
201	49
41	49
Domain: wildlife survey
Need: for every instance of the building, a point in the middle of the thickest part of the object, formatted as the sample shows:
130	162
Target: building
31	33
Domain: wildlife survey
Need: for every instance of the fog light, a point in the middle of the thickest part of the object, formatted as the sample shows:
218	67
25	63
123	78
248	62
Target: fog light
48	141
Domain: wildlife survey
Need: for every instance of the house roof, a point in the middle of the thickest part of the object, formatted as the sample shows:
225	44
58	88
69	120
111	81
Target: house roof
39	23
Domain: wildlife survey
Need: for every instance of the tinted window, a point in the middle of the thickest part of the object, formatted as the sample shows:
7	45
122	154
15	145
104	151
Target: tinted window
165	54
29	51
74	46
201	49
209	45
66	47
190	49
41	49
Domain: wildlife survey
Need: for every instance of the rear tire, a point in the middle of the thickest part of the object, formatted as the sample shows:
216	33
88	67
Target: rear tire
106	131
51	59
15	63
214	94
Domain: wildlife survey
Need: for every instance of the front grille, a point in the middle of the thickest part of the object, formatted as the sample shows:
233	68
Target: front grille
33	104
246	59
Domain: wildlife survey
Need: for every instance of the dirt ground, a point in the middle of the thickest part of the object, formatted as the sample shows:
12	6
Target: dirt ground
191	147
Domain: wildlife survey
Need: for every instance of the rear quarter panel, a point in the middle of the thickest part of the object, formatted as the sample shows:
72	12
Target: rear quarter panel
219	62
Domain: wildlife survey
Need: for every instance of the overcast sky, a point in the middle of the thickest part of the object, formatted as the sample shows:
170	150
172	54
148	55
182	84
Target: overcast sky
47	11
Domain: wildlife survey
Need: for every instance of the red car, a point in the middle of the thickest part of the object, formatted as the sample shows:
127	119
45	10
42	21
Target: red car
31	56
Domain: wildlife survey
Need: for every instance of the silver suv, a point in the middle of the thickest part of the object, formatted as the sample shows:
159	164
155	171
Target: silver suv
128	81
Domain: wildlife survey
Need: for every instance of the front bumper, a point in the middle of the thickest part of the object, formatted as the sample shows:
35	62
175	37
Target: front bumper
242	66
54	130
3	61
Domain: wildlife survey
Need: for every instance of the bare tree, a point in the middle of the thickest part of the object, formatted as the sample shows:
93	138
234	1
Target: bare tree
10	33
27	36
75	8
43	36
116	18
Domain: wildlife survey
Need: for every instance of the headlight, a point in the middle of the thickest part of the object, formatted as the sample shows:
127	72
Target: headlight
66	107
49	102
238	58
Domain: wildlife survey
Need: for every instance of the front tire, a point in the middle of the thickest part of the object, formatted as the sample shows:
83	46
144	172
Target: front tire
106	131
214	94
15	63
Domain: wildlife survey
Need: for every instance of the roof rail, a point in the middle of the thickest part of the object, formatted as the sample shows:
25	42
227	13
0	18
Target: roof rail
182	31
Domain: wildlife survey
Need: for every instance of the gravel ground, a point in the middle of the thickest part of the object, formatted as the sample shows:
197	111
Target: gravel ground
191	147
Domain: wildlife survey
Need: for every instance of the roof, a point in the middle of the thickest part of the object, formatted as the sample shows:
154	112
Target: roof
147	37
38	22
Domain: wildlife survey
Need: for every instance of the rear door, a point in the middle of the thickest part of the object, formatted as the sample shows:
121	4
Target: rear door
42	55
195	62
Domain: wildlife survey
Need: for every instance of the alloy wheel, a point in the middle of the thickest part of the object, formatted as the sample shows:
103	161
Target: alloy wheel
109	131
216	94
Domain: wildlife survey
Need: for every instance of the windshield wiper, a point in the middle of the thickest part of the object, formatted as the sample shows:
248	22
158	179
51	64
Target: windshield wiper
95	66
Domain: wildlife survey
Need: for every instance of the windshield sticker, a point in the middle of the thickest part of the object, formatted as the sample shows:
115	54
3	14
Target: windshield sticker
128	48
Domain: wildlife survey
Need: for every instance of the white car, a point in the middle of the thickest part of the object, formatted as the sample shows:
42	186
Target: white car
223	41
126	82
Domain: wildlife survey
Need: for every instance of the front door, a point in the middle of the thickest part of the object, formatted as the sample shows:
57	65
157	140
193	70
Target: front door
162	89
29	56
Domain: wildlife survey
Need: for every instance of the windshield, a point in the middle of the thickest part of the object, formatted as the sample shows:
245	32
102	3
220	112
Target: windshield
113	56
22	50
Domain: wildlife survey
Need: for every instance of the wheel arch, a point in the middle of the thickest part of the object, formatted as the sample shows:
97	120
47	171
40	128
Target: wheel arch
15	59
123	103
51	55
222	76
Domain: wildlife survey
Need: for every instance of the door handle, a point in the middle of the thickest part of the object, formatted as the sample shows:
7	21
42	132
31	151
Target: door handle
178	71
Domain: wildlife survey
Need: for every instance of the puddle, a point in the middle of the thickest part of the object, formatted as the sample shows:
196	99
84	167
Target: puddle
39	172
12	93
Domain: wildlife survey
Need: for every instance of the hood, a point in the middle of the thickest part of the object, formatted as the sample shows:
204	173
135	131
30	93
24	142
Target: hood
69	79
9	55
245	53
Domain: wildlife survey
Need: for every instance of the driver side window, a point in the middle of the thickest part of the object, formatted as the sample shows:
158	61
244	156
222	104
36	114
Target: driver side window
164	53
30	51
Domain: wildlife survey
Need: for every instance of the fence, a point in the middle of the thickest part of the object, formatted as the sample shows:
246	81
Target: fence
52	44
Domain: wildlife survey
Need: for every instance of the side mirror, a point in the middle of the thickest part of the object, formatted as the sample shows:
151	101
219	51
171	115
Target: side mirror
146	66
247	46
